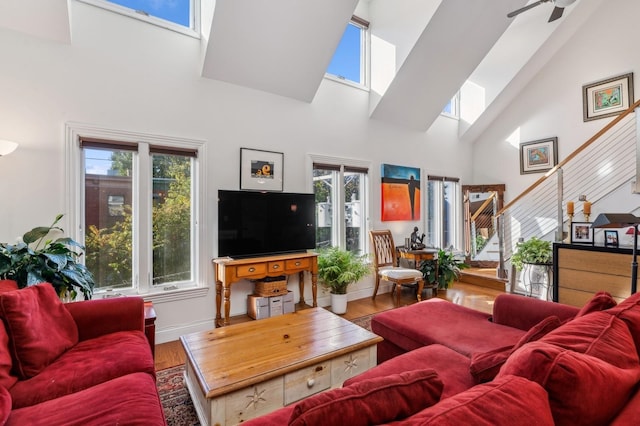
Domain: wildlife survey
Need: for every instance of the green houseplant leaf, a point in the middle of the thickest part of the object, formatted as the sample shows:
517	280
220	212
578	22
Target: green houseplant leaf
534	251
338	268
36	260
443	270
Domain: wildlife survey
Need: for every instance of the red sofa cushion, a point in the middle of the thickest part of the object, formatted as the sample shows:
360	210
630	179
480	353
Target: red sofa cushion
5	405
600	335
7	379
40	328
8	285
129	400
87	364
371	402
278	417
509	400
599	302
452	368
485	365
583	390
432	321
629	311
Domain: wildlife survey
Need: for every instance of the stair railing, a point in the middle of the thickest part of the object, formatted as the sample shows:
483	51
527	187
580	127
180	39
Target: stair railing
605	162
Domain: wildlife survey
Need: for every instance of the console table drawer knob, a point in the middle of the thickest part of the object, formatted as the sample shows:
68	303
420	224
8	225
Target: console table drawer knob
252	269
276	266
310	383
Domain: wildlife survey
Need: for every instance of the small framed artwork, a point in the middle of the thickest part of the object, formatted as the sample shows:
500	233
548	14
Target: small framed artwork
261	170
581	233
538	156
610	238
607	98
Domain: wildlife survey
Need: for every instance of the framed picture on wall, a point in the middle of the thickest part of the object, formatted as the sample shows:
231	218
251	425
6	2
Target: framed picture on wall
261	170
581	233
538	156
610	238
607	98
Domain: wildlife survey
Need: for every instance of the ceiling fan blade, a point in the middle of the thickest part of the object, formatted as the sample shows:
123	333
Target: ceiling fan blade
524	9
556	14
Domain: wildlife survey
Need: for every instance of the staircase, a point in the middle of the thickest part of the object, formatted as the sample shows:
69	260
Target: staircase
483	277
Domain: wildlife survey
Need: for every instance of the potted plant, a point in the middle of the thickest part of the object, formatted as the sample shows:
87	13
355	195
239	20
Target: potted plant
337	269
534	258
442	270
34	260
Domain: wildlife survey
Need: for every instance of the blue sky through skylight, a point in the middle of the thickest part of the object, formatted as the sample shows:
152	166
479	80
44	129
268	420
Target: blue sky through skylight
346	60
176	11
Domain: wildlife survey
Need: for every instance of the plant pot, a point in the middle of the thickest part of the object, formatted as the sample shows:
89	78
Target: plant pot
339	303
536	279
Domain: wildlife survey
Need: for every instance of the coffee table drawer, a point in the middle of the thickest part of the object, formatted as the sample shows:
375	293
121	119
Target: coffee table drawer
306	382
251	402
349	365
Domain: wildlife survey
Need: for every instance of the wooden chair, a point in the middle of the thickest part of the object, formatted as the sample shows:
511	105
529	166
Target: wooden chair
385	263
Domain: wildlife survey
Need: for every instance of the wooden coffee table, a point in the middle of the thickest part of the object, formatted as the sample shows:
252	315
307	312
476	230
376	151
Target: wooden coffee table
246	370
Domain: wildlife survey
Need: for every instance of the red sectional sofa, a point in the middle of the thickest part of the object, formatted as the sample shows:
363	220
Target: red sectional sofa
81	363
531	362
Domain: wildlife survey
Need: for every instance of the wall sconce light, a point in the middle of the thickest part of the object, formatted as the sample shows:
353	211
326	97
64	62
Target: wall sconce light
7	147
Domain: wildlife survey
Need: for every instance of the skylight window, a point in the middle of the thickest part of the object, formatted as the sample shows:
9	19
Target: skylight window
177	15
348	63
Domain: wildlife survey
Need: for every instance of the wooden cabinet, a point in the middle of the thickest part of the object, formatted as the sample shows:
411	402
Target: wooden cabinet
229	271
582	271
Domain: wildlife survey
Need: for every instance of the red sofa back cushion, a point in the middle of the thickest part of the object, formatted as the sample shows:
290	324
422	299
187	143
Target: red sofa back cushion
40	329
583	390
509	400
373	401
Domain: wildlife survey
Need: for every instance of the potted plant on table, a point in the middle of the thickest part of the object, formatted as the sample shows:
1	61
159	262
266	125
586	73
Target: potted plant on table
443	270
337	269
534	259
35	260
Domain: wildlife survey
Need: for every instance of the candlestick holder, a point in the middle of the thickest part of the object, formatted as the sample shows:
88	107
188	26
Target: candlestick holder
586	217
567	238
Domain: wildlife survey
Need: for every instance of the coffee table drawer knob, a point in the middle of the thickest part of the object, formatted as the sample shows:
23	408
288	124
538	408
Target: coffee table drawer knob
310	383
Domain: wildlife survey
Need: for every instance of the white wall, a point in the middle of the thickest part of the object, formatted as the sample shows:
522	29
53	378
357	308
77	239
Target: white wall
123	74
551	105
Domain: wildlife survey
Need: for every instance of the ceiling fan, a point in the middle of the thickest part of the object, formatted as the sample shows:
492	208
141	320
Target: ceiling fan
557	10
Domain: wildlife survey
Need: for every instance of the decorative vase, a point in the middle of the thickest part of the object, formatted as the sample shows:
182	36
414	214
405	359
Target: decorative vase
339	303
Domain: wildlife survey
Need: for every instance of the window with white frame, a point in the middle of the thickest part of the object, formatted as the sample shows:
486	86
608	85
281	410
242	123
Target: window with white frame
444	219
178	15
341	193
452	108
349	62
136	209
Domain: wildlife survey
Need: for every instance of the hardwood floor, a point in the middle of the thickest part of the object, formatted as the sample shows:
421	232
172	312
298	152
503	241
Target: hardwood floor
171	354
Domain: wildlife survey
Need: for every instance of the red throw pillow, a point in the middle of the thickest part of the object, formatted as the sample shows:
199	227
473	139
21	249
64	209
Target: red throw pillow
6	363
601	301
373	401
583	390
485	366
40	328
5	405
598	334
509	400
629	311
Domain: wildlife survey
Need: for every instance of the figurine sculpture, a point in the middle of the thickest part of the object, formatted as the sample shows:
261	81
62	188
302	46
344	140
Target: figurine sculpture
416	240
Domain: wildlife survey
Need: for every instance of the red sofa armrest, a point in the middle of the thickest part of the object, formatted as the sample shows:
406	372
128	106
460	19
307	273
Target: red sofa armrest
103	316
524	312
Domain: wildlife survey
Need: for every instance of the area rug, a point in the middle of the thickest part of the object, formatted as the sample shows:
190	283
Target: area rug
174	396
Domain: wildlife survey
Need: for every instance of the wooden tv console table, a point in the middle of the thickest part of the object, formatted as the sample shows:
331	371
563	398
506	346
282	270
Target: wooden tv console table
228	271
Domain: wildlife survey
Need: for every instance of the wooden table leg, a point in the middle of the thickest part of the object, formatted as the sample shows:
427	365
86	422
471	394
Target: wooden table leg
314	289
301	287
218	304
227	305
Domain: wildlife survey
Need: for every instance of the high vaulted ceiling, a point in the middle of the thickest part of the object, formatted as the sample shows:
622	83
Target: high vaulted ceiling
284	47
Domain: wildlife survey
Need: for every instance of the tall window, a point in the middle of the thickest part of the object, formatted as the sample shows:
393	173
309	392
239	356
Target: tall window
349	59
341	206
445	212
136	204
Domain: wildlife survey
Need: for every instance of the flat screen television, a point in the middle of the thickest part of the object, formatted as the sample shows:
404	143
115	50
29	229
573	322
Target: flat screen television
254	224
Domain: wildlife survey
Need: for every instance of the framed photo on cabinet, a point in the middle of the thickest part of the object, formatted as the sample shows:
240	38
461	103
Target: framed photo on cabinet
581	233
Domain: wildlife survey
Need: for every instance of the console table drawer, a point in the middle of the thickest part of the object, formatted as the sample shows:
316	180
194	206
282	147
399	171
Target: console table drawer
276	267
306	382
298	263
251	270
